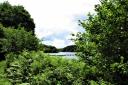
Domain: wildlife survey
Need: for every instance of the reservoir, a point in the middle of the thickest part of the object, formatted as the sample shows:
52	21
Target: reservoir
71	55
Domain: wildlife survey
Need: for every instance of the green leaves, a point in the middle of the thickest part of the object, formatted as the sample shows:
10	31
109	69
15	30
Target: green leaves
17	40
104	41
14	16
38	68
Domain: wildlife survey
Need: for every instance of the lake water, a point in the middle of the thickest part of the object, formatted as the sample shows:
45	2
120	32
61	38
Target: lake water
65	54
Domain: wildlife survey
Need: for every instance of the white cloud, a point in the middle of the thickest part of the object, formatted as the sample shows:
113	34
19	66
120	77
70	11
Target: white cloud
54	16
58	42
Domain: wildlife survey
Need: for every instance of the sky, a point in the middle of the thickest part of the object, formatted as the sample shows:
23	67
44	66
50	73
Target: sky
56	20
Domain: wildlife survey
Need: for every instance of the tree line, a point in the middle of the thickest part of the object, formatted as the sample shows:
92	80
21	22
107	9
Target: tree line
53	49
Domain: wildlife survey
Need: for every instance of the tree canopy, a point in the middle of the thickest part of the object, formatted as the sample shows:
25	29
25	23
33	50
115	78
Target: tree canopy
14	16
105	41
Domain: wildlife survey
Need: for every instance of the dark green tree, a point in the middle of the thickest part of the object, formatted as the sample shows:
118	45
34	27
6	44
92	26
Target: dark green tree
105	41
14	16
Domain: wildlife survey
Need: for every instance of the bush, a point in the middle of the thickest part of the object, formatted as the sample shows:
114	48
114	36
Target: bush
3	79
40	69
17	40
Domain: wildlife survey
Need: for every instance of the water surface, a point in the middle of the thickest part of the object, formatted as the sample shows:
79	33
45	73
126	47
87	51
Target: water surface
71	55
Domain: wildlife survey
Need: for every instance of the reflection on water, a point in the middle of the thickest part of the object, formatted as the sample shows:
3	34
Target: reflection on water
71	55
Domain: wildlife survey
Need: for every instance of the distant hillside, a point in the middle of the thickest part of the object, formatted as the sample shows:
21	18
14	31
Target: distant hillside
71	48
53	49
48	48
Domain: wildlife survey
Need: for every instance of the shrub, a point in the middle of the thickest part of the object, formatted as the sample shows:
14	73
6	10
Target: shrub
17	40
41	69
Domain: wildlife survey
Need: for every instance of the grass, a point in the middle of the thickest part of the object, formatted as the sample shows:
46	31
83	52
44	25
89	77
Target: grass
3	80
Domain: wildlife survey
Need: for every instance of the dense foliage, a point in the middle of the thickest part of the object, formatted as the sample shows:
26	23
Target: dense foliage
37	68
1	32
102	48
104	44
3	79
41	69
17	40
16	30
1	37
14	16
